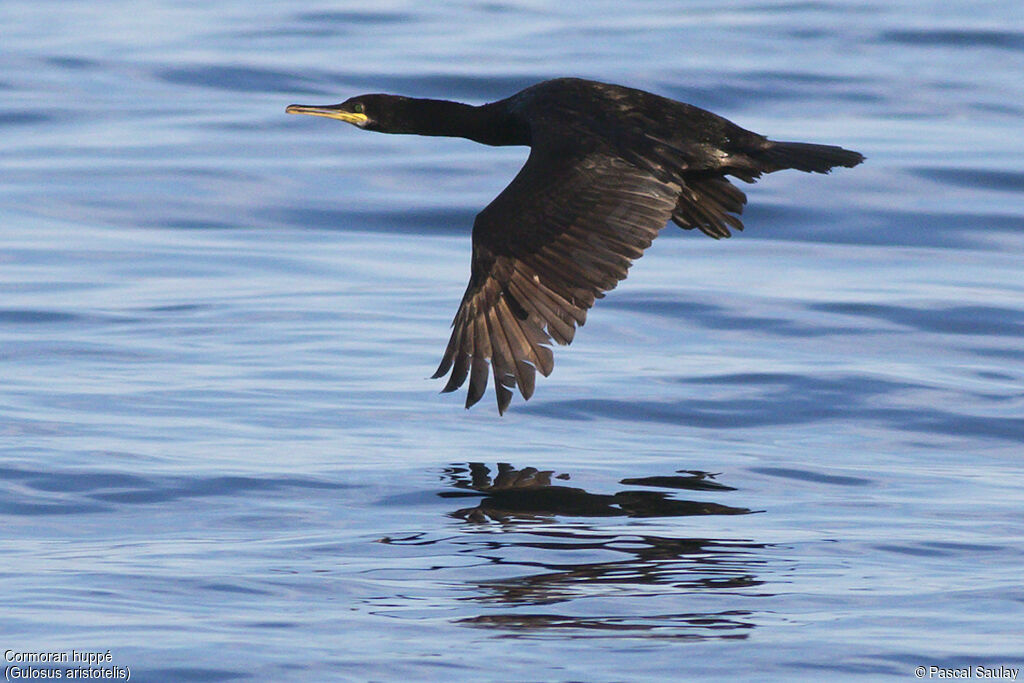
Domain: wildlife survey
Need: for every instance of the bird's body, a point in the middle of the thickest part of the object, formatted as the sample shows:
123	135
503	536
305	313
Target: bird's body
609	166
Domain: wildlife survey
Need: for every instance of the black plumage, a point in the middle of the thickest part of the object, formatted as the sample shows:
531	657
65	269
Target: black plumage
609	166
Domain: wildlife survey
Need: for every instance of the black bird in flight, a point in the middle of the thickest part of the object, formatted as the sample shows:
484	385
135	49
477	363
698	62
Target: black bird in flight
609	166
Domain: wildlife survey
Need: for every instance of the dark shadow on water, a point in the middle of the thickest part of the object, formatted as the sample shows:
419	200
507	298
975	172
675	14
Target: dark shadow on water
548	561
730	624
530	492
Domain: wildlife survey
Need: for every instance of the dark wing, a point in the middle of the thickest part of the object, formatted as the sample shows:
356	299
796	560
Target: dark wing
710	203
565	231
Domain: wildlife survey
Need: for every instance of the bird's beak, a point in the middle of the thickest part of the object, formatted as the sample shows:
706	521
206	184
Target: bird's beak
332	111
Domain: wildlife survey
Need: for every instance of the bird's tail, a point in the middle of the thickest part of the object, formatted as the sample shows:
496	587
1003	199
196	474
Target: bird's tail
804	156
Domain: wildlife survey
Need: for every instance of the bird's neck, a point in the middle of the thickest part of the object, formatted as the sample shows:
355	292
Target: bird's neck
488	124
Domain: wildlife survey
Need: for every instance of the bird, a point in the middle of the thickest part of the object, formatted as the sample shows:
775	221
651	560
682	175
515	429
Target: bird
609	166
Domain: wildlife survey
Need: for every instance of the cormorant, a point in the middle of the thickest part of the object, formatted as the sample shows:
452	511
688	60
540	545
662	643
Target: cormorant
609	166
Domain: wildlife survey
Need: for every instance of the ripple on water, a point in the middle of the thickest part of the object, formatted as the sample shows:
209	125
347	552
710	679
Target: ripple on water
51	491
962	38
235	78
560	572
959	320
975	178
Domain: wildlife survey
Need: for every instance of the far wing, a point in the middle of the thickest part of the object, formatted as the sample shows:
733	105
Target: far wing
710	203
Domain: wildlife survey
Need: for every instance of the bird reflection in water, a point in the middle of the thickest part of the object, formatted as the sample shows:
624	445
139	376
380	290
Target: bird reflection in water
529	493
651	577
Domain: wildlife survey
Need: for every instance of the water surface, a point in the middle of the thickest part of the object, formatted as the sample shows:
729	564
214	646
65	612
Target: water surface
793	454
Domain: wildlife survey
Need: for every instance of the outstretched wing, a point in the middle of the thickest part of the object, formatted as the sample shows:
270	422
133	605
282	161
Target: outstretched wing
565	231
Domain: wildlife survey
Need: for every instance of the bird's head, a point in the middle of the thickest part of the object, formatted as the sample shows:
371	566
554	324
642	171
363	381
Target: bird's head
384	113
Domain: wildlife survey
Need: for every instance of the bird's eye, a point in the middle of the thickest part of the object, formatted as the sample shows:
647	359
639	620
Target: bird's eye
358	107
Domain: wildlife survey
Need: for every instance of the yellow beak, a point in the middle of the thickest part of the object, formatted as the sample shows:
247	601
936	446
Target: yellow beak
331	112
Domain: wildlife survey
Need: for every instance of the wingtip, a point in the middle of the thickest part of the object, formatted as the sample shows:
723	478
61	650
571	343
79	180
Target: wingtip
504	398
443	368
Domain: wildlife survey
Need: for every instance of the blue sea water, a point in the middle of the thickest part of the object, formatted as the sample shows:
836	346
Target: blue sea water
798	453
